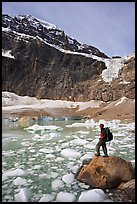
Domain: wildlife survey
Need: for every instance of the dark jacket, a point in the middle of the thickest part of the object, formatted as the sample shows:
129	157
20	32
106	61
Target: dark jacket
103	134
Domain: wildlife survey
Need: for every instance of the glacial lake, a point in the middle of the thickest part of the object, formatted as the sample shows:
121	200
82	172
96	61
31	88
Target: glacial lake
41	157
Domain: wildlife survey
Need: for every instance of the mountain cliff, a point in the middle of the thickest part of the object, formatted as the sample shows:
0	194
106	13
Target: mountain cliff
40	60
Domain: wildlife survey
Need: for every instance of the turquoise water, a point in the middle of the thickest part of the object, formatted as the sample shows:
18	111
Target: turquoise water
36	154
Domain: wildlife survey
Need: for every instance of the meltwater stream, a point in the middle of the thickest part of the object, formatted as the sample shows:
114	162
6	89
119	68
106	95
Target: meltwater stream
41	157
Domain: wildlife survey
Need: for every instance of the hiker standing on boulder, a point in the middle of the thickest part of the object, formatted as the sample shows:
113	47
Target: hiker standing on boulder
102	141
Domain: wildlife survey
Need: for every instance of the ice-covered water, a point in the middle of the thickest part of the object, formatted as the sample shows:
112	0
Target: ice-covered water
40	159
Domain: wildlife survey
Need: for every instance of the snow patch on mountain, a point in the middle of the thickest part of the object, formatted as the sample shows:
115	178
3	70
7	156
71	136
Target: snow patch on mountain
113	65
32	26
123	99
7	53
11	101
36	22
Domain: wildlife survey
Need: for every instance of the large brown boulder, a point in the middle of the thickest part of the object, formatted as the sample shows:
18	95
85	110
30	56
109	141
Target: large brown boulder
106	172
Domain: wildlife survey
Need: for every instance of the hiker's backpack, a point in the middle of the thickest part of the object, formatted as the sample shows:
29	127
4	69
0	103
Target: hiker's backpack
109	134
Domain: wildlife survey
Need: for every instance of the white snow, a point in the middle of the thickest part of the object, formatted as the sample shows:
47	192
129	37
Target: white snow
7	53
121	100
89	104
10	99
124	82
13	102
113	65
36	21
112	71
6	29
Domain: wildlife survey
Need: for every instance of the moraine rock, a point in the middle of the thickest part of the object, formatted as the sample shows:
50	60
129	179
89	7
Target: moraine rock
106	172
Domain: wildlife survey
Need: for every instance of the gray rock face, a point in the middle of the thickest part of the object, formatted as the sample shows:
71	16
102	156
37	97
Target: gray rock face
42	71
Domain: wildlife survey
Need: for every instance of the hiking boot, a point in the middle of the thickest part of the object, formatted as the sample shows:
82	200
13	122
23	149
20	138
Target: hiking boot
97	155
106	155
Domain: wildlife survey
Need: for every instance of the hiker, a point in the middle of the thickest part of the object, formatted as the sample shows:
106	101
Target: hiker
102	141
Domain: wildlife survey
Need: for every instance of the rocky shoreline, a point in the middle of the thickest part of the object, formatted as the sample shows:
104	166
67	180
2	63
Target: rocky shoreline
18	106
98	174
122	111
126	112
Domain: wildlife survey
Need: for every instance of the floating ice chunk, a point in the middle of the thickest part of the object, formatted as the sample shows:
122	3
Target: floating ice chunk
57	183
32	150
83	185
73	168
47	150
50	156
37	166
45	176
19	181
68	178
36	136
16	172
83	132
8	154
26	144
87	156
53	134
41	128
70	153
65	197
54	174
59	159
8	197
47	198
76	125
94	195
63	145
22	196
79	141
32	128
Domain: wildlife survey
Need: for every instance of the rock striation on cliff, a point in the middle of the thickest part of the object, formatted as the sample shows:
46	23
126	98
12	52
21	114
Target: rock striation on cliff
40	60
